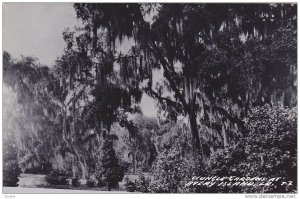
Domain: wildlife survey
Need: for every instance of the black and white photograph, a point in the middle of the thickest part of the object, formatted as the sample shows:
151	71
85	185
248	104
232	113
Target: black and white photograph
141	97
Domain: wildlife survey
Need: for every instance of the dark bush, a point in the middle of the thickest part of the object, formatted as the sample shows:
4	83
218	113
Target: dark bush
11	169
11	172
143	184
43	168
130	186
90	183
101	182
108	168
140	185
75	182
57	177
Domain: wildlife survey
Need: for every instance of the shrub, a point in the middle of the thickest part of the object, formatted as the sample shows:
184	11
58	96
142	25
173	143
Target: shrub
57	177
43	168
90	183
171	172
101	182
11	170
130	186
108	169
75	182
140	185
269	149
143	184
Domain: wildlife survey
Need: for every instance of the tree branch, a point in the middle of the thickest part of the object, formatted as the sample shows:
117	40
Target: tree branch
168	73
233	119
169	102
76	97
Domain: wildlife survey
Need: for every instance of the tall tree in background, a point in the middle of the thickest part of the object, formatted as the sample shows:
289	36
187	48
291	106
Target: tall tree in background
31	120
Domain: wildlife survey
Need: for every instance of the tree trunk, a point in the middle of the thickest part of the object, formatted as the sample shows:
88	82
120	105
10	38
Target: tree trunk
133	163
197	145
84	170
73	135
83	164
224	136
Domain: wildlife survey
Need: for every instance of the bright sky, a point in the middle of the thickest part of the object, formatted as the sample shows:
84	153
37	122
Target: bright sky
35	29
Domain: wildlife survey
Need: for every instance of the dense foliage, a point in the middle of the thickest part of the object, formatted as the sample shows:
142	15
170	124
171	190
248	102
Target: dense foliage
172	172
267	150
